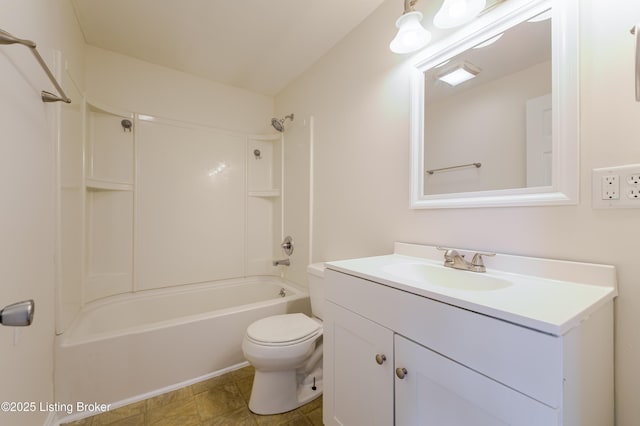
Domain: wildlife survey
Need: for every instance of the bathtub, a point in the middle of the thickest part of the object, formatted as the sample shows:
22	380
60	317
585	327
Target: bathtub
129	347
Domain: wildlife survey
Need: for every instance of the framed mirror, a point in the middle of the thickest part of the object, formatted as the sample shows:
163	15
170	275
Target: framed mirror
508	133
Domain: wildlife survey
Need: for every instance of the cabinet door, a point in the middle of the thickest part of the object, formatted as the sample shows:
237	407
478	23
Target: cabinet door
437	391
358	382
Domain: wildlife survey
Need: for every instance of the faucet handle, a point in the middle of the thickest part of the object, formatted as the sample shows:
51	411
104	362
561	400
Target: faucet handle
449	254
477	264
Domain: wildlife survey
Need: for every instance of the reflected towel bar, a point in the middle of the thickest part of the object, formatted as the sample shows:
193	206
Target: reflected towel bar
476	165
6	38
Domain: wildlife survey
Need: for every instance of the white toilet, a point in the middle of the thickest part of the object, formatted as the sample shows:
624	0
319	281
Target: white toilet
286	352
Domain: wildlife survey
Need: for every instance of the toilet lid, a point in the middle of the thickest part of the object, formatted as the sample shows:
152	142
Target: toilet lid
282	329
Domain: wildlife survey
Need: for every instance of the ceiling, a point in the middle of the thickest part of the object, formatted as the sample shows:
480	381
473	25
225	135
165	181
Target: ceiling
258	45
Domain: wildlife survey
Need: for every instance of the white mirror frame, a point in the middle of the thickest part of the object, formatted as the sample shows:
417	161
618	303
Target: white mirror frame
565	102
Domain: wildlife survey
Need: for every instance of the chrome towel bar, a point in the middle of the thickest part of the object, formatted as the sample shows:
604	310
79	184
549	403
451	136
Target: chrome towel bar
6	38
476	165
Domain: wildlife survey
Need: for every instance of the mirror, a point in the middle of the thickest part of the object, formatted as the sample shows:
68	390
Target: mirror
508	136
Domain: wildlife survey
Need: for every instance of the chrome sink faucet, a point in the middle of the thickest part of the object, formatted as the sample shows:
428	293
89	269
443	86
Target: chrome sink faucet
453	259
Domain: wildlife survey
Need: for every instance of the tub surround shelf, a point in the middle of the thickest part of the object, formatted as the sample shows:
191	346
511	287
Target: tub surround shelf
105	185
266	193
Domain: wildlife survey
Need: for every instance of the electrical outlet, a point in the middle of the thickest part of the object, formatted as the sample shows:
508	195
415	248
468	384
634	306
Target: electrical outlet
611	187
616	187
633	193
633	179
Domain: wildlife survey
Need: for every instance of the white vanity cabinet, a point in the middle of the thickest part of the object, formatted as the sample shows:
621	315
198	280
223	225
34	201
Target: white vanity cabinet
434	390
462	367
362	366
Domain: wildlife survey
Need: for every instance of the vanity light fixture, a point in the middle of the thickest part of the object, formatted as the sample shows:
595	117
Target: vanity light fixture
459	74
454	13
411	34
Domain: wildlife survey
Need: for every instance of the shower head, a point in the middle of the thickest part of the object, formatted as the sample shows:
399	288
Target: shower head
278	124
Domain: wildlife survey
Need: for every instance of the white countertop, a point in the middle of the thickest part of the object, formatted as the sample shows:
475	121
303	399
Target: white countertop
537	299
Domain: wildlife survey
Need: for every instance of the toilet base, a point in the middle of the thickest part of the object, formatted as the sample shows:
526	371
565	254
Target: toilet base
276	392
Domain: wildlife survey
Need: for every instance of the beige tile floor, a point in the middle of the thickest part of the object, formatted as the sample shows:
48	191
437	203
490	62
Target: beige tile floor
222	400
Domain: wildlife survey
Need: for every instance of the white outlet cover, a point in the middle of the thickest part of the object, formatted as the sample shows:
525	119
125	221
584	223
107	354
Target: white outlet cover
616	187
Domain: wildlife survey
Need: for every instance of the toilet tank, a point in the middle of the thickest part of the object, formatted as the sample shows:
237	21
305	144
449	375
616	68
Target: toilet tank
315	273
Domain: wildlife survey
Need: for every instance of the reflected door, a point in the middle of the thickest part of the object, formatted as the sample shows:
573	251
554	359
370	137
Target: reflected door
539	141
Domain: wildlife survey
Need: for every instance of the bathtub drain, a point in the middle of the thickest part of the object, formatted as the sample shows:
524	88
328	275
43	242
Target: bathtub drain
282	293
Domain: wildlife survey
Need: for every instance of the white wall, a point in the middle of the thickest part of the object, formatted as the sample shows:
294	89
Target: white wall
485	123
27	216
359	96
139	86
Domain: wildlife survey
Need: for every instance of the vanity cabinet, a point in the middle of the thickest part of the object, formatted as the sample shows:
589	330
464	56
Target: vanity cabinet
447	366
436	390
362	366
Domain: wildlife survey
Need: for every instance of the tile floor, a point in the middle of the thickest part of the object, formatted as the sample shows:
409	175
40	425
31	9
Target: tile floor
222	400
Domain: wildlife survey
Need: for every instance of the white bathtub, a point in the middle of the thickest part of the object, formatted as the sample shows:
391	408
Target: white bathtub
129	346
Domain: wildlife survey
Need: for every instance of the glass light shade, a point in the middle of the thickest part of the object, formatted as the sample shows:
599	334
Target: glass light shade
411	34
454	13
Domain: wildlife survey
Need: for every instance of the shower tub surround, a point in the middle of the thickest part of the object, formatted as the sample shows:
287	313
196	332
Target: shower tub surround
197	201
204	208
130	347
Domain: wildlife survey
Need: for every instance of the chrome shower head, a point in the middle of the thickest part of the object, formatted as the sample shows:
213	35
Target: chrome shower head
278	124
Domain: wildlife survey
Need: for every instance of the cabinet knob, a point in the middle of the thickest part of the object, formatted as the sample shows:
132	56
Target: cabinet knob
401	372
380	358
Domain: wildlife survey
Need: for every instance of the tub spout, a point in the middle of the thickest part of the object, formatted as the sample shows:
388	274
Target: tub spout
284	262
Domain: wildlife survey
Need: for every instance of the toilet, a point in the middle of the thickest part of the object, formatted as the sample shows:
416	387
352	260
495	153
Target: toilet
286	352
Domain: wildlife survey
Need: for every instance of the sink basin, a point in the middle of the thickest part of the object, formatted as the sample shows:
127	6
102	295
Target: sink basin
445	277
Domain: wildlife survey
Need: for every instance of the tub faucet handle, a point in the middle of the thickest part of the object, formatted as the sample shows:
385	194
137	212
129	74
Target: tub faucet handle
287	245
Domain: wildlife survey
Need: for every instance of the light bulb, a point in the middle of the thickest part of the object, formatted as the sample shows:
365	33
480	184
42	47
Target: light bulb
454	13
411	34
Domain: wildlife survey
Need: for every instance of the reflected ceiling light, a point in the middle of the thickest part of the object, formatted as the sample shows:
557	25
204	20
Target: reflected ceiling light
411	34
454	13
459	74
488	42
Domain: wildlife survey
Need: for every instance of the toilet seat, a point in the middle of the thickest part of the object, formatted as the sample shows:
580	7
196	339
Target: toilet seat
283	330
